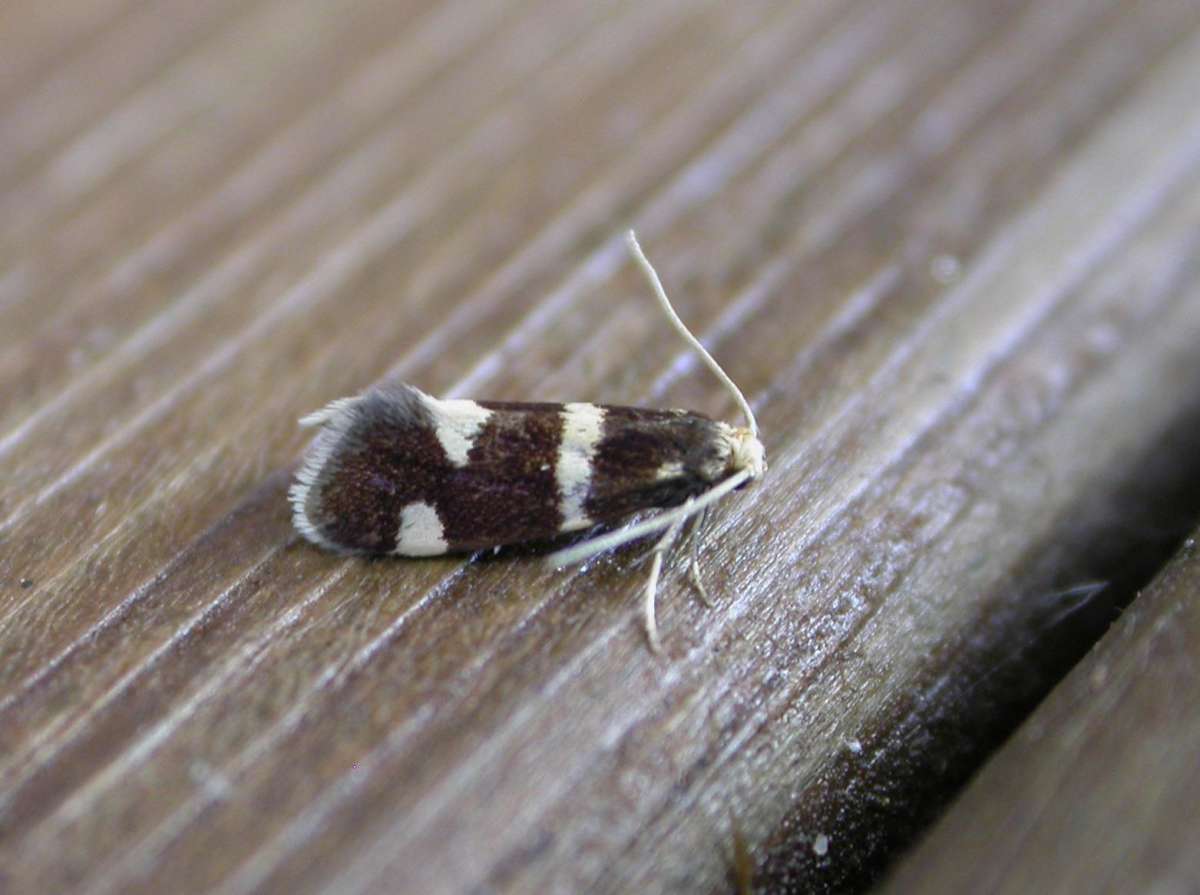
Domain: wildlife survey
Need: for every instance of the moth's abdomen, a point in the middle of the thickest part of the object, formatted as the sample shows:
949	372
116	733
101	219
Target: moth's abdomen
396	471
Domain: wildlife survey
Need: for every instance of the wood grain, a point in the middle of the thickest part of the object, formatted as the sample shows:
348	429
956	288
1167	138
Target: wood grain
1098	790
949	249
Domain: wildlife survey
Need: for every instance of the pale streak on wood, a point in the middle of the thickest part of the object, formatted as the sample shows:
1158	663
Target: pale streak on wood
1159	132
87	635
310	823
496	136
45	42
1109	219
919	363
446	33
166	403
754	117
888	374
313	138
842	724
804	87
1146	199
40	750
382	840
1171	333
981	86
789	168
698	180
235	672
156	108
821	73
855	312
138	858
69	97
1114	744
113	616
145	116
297	299
244	263
858	306
251	184
343	790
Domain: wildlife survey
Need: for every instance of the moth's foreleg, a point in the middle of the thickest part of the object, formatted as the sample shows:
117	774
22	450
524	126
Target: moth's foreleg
694	532
663	545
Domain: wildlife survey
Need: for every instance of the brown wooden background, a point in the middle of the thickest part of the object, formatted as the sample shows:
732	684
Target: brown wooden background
949	248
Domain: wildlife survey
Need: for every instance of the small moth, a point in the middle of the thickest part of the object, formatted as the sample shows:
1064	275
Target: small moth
396	471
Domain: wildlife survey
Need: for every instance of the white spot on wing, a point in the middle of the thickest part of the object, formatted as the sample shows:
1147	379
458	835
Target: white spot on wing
421	532
456	423
583	426
670	470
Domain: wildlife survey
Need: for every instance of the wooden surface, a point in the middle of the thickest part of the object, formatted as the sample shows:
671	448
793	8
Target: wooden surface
949	249
1098	791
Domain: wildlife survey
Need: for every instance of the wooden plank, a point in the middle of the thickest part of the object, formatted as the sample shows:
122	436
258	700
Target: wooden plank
1098	790
948	248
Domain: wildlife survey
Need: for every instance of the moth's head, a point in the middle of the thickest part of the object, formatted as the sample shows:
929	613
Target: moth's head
746	452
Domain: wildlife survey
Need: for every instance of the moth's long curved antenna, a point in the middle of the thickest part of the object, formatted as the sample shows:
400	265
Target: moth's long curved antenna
680	327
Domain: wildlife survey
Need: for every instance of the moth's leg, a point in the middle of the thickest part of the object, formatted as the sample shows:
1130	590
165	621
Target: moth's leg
694	531
663	545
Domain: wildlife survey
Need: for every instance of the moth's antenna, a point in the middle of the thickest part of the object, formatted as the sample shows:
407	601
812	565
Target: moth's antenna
661	294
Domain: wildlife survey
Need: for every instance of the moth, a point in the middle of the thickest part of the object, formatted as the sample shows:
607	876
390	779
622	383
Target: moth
396	471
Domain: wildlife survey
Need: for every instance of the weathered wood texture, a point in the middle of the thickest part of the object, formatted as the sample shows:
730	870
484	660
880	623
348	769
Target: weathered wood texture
1099	790
948	248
